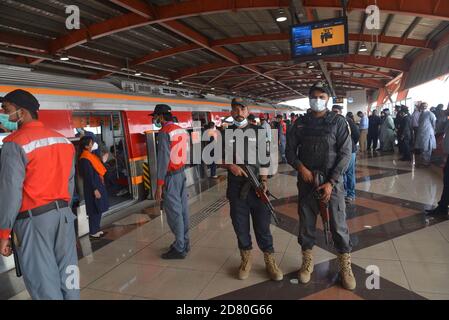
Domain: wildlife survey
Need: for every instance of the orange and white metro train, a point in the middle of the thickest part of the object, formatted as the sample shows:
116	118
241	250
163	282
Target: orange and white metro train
118	117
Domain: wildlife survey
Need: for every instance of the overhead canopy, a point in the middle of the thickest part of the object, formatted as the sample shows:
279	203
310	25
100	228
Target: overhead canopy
234	47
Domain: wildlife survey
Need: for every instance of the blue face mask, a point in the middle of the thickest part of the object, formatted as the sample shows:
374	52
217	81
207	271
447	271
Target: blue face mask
157	123
4	120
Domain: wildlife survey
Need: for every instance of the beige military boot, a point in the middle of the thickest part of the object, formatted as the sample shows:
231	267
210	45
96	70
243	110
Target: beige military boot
273	270
347	277
307	267
245	266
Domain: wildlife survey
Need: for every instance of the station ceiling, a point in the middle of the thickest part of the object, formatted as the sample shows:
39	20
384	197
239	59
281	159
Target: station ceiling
231	47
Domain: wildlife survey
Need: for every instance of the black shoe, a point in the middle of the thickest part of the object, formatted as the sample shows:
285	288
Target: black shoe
437	212
186	250
173	254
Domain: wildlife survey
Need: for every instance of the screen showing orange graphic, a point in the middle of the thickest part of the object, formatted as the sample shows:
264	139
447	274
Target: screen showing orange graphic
330	36
318	39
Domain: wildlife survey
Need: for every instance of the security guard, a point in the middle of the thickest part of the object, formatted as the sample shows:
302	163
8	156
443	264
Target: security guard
171	180
321	142
243	199
36	187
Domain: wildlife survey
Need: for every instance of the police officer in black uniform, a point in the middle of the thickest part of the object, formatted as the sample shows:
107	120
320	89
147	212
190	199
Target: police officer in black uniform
321	143
243	200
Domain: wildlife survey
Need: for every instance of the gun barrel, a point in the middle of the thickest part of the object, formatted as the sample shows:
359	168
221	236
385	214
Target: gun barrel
326	231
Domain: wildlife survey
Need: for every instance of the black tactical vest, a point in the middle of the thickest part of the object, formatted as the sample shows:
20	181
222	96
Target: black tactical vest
317	149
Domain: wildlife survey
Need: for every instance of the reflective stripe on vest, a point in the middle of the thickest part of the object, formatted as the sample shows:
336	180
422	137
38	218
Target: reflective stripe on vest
36	144
176	132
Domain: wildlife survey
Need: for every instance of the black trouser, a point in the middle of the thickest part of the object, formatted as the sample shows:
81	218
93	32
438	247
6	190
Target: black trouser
373	137
444	202
404	148
241	210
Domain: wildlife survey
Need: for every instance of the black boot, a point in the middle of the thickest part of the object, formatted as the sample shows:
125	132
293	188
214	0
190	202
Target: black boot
437	211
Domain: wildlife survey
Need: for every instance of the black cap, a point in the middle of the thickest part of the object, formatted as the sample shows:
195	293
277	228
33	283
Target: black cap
321	86
337	106
22	99
161	109
238	102
251	117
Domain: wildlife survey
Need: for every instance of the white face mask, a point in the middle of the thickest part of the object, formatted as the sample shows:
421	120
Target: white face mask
241	124
95	146
318	105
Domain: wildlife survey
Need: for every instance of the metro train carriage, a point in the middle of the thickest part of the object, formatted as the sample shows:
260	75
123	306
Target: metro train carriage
119	119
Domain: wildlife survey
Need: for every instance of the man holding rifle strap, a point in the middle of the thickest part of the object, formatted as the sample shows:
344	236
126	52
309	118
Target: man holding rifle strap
240	142
322	142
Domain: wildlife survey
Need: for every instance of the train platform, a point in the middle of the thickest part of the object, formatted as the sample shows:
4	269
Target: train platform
121	80
387	224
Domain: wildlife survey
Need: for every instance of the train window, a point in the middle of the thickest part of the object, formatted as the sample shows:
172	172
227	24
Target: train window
166	91
173	91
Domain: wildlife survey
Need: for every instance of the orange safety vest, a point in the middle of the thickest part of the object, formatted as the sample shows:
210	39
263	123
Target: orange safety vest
177	135
50	160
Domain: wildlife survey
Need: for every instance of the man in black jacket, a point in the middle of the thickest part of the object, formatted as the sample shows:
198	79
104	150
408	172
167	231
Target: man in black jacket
373	130
405	134
321	144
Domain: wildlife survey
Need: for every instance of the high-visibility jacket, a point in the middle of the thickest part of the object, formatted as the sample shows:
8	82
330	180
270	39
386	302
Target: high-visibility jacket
172	150
37	168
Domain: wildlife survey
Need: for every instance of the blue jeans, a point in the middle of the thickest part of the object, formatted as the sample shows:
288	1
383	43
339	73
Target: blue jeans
349	178
283	143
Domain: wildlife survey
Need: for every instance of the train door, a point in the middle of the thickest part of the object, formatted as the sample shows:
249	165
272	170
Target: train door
202	117
107	128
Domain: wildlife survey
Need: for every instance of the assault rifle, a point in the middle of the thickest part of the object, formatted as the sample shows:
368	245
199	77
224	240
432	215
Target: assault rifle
258	187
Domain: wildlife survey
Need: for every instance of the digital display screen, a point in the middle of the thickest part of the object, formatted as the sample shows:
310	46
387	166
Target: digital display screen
320	38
